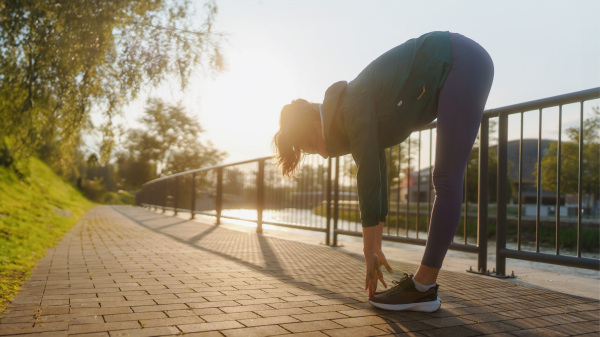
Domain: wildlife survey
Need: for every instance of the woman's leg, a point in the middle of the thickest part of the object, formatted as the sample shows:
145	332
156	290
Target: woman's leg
461	104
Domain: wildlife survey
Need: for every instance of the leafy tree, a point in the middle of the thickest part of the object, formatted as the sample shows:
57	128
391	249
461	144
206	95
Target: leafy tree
472	189
233	180
59	59
570	160
169	143
312	178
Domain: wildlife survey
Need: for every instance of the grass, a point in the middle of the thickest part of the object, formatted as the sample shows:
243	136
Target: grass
35	213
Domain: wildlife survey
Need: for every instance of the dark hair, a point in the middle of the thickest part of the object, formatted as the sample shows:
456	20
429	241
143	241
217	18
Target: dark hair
294	135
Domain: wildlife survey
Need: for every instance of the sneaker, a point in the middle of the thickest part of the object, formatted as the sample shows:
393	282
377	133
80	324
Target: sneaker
404	296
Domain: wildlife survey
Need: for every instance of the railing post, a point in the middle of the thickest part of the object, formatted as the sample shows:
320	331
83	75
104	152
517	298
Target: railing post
260	195
219	196
336	200
164	194
482	210
501	195
580	180
152	196
156	195
176	197
193	202
328	198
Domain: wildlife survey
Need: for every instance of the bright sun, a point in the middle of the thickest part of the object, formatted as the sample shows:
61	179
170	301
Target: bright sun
247	99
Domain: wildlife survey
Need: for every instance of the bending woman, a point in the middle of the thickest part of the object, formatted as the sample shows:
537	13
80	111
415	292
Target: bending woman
438	75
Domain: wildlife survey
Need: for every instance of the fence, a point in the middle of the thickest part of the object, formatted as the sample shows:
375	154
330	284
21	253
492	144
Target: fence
322	197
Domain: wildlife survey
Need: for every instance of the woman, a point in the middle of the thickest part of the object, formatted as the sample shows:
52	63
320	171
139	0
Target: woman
438	75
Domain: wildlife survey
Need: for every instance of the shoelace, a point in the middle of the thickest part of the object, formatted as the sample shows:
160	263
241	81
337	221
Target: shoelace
403	284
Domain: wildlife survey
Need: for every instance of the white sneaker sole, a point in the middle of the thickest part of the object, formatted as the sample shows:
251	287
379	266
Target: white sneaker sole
420	306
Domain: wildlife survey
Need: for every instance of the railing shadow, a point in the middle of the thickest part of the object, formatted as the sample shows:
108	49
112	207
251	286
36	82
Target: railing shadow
274	267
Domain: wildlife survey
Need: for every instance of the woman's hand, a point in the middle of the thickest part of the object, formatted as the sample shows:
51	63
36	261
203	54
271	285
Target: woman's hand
374	261
383	260
374	258
373	273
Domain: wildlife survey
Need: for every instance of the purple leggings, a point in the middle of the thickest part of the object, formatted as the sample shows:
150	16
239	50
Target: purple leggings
461	103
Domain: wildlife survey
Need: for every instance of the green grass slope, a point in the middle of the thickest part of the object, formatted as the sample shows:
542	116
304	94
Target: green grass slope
34	214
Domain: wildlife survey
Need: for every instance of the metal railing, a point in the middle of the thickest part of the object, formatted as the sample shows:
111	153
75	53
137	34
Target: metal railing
323	199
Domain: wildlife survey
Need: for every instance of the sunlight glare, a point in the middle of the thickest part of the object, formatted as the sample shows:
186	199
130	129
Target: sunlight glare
247	100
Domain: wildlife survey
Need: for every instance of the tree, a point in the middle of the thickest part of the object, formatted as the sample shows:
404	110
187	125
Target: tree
168	144
59	59
472	189
570	160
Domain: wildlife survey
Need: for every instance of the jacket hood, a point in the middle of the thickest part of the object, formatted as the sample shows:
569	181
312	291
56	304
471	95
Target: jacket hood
331	103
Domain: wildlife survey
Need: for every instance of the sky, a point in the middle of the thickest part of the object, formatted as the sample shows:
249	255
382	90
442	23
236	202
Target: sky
279	50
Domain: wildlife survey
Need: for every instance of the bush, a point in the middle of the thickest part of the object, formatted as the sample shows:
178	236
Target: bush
119	198
94	189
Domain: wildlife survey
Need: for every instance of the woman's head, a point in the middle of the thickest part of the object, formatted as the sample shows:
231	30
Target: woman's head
297	134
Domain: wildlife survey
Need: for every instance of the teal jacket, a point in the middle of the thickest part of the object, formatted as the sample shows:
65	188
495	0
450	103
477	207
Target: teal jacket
378	109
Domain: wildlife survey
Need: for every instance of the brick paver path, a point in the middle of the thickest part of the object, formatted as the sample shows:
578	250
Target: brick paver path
126	271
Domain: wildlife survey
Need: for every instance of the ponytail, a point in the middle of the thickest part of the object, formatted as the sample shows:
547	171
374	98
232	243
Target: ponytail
294	135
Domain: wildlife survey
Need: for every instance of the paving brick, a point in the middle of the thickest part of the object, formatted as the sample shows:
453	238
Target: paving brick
45	334
114	304
538	332
360	321
454	331
358	312
311	326
240	308
201	305
201	327
25	328
17	319
204	334
447	321
403	327
160	307
335	301
579	328
267	320
491	327
484	317
588	315
362	331
281	312
138	316
518	314
530	323
259	331
270	300
306	334
303	298
101	311
318	316
142	332
236	316
72	319
99	327
92	334
287	305
562	318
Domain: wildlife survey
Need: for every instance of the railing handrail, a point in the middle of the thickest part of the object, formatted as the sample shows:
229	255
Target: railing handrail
573	97
168	194
207	169
542	103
